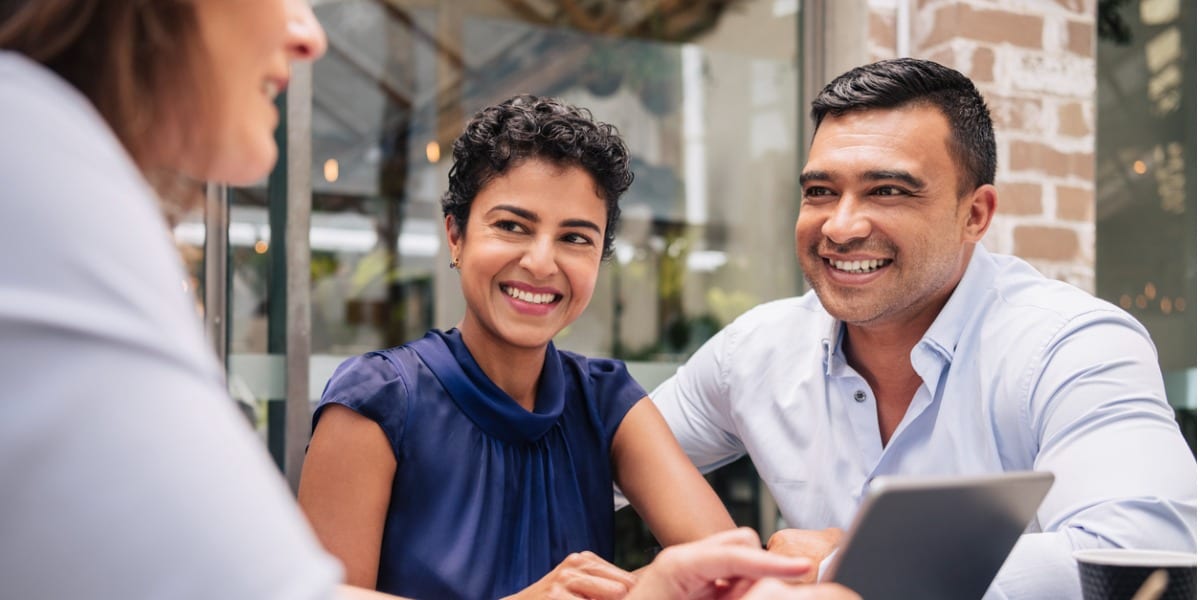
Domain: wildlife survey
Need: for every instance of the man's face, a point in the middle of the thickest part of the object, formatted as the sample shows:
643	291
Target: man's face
883	235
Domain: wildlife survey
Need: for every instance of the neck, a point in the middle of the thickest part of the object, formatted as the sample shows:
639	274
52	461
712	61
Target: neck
514	370
884	360
880	350
882	355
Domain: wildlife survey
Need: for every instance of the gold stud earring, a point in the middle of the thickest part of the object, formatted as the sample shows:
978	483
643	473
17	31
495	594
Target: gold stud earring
454	263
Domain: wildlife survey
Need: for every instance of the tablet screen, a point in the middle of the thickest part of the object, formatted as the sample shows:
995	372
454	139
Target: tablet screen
932	538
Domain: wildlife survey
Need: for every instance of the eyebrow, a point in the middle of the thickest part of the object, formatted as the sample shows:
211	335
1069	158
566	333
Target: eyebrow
808	176
532	216
879	175
904	176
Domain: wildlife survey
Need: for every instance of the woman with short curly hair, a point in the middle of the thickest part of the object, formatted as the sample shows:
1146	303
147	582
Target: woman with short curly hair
479	462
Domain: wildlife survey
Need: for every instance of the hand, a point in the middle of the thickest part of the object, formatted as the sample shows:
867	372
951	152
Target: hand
581	575
806	543
774	589
722	566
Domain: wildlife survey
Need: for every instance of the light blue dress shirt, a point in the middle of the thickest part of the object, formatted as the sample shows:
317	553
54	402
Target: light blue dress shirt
1019	372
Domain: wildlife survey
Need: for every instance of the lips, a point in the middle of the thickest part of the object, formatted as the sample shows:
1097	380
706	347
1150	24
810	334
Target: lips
272	86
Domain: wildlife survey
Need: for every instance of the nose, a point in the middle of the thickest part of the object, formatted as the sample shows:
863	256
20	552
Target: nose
847	222
539	259
306	38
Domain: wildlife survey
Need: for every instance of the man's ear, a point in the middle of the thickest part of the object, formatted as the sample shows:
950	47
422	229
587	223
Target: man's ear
981	207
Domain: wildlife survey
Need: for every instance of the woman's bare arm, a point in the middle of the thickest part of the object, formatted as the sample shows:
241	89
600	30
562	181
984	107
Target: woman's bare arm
661	483
345	488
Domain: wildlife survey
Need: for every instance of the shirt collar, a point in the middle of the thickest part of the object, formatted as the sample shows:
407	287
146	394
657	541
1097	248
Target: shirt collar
488	406
831	340
976	283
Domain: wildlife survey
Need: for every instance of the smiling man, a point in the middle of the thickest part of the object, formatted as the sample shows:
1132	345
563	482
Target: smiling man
919	352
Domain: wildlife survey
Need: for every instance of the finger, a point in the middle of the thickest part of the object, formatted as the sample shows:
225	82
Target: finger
586	585
774	589
733	589
785	537
742	536
766	589
598	567
740	562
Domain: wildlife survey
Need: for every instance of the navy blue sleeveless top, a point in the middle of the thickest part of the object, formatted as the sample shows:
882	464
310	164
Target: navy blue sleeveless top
487	497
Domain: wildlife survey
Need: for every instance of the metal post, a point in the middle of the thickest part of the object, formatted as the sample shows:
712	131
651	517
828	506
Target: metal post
298	257
216	269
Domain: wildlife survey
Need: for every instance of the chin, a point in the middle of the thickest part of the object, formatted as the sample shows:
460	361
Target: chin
245	164
854	313
529	340
253	170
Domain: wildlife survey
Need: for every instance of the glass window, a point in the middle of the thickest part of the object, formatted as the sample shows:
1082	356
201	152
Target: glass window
712	125
1146	180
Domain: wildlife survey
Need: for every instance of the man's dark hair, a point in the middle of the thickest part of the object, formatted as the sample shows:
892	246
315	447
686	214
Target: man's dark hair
527	127
908	81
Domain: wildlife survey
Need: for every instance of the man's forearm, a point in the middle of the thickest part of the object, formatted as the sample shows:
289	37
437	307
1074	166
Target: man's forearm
1040	566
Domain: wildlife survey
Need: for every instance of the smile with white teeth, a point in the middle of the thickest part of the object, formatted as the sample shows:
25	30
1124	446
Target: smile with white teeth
529	297
270	88
859	266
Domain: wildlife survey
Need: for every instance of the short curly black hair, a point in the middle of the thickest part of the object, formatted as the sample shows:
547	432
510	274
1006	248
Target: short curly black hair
527	127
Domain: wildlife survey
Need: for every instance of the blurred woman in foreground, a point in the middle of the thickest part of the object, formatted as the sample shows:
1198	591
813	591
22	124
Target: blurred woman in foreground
127	472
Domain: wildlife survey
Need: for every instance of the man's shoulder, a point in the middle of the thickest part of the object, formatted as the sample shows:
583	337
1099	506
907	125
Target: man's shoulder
797	323
1020	290
1023	310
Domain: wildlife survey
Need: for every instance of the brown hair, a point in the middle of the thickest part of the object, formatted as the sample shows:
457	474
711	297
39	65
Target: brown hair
136	60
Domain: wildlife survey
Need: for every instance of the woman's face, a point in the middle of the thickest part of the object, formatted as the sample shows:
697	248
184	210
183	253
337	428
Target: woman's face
529	256
247	46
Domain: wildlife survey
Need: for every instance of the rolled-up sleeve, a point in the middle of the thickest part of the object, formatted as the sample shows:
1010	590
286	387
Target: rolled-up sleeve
695	403
1124	474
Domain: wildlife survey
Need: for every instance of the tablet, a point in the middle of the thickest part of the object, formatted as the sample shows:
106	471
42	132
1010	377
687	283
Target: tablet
933	538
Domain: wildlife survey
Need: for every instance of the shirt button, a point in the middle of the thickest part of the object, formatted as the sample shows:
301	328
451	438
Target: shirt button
860	396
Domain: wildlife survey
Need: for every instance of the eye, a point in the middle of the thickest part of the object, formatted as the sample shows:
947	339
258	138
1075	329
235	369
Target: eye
817	193
510	226
578	238
890	190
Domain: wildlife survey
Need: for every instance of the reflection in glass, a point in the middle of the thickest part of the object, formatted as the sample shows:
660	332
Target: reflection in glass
1146	180
712	134
189	240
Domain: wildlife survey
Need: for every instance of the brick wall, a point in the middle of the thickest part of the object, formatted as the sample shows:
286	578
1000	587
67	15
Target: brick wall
1034	61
